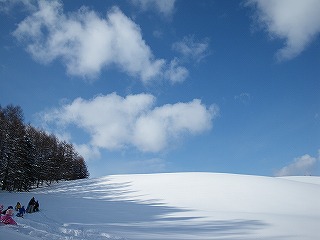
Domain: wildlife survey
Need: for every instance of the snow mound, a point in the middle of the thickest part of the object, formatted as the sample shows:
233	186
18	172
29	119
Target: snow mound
172	206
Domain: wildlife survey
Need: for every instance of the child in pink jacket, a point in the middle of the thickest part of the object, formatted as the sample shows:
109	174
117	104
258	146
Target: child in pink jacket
7	218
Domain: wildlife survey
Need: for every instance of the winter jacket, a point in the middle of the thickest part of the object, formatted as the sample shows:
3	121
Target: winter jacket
21	212
18	206
7	219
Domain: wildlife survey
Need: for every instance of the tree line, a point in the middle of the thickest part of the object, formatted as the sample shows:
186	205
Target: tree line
30	157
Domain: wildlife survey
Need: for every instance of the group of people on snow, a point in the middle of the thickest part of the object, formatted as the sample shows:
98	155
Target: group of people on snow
6	215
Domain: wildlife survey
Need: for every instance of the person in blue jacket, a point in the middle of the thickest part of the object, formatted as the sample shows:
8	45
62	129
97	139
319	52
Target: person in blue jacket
21	212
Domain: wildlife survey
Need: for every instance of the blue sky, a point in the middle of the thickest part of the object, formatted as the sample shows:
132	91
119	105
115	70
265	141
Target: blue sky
169	86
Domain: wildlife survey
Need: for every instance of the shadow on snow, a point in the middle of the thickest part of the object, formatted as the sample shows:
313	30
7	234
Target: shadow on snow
95	209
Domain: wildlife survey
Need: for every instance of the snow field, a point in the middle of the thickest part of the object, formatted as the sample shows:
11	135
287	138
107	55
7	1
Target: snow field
173	206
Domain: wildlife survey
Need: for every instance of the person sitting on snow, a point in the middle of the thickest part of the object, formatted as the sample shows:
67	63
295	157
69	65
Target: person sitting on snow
7	219
30	206
21	212
18	206
4	211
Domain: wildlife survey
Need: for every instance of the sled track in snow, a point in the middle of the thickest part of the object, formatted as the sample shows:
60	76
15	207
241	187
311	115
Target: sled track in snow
42	227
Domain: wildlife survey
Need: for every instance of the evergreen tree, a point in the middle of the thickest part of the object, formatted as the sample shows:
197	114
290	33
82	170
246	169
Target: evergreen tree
29	156
13	130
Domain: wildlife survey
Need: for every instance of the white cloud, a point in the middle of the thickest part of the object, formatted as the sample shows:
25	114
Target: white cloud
175	72
164	7
304	165
87	151
154	130
192	49
114	122
295	21
87	43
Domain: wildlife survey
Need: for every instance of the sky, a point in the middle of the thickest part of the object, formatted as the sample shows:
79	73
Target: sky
169	85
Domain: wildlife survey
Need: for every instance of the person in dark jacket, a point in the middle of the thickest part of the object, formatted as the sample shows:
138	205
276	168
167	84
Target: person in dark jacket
30	207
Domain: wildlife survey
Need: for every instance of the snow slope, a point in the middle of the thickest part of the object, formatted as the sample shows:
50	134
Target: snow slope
173	206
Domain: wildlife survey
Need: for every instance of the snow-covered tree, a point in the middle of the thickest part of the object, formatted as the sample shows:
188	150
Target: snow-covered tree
29	156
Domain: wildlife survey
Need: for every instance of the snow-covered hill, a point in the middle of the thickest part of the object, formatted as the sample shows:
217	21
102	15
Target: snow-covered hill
171	206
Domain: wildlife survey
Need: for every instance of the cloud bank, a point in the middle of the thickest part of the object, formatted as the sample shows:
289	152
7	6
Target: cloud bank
114	122
304	165
295	21
86	43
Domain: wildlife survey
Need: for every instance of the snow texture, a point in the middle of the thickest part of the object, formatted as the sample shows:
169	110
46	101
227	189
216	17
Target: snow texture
173	206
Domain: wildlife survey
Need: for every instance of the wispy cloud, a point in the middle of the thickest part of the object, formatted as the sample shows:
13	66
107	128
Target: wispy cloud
114	122
7	5
164	7
190	49
297	22
175	72
88	151
304	165
87	43
243	97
